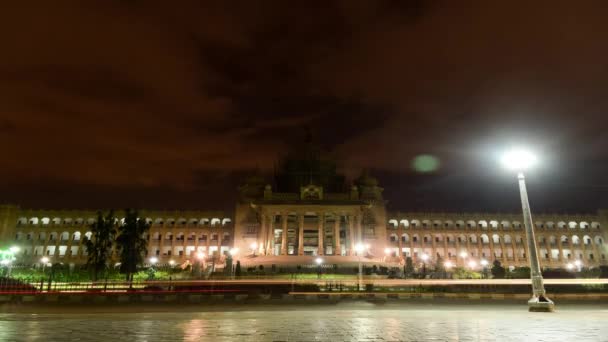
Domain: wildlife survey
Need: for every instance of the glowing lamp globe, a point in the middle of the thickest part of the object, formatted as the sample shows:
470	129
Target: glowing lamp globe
359	248
319	261
518	160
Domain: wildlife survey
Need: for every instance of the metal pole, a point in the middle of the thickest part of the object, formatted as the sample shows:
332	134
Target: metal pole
539	300
360	272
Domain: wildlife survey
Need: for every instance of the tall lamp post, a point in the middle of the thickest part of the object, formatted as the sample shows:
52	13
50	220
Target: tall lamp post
359	248
519	161
233	252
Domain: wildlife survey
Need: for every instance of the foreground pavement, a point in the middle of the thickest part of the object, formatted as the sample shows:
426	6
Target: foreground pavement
342	322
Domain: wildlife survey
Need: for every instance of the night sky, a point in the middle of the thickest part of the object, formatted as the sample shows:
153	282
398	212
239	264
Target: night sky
158	104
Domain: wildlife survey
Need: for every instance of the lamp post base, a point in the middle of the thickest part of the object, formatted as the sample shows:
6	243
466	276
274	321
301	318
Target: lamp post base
541	304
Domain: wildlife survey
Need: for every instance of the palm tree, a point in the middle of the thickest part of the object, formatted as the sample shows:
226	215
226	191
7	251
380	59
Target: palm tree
133	246
99	246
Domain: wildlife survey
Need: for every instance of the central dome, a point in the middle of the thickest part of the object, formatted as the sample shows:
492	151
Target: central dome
307	163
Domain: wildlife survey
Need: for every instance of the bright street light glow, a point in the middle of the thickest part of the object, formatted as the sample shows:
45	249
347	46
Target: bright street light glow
387	250
234	251
518	160
424	257
570	266
472	264
253	245
359	248
171	262
578	263
44	260
200	255
4	262
464	255
448	264
319	261
14	249
153	260
484	262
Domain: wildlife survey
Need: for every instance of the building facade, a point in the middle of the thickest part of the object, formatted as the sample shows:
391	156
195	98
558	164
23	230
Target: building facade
306	209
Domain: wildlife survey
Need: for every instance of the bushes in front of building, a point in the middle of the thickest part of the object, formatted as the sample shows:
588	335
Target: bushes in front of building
463	273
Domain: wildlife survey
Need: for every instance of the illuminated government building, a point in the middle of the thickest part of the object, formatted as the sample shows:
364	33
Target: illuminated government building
307	208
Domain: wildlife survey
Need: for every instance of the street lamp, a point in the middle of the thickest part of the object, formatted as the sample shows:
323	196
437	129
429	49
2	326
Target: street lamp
172	263
464	255
44	261
253	247
472	264
359	248
424	258
318	261
519	161
578	265
570	266
153	260
484	264
233	252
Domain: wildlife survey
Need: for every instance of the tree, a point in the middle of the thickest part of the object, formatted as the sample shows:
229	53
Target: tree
133	246
237	271
99	245
498	272
228	268
439	266
408	269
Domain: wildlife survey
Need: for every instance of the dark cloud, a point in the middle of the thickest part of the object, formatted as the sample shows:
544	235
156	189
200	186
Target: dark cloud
180	100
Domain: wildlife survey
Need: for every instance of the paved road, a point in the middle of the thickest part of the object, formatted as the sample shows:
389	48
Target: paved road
348	322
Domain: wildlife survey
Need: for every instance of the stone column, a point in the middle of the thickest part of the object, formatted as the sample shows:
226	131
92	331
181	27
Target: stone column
270	235
411	235
337	247
400	241
514	247
479	245
445	246
433	246
284	235
300	234
351	233
503	251
359	232
262	239
596	253
321	233
458	250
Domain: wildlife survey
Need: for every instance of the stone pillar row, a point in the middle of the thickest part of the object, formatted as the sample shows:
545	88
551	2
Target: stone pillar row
266	234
